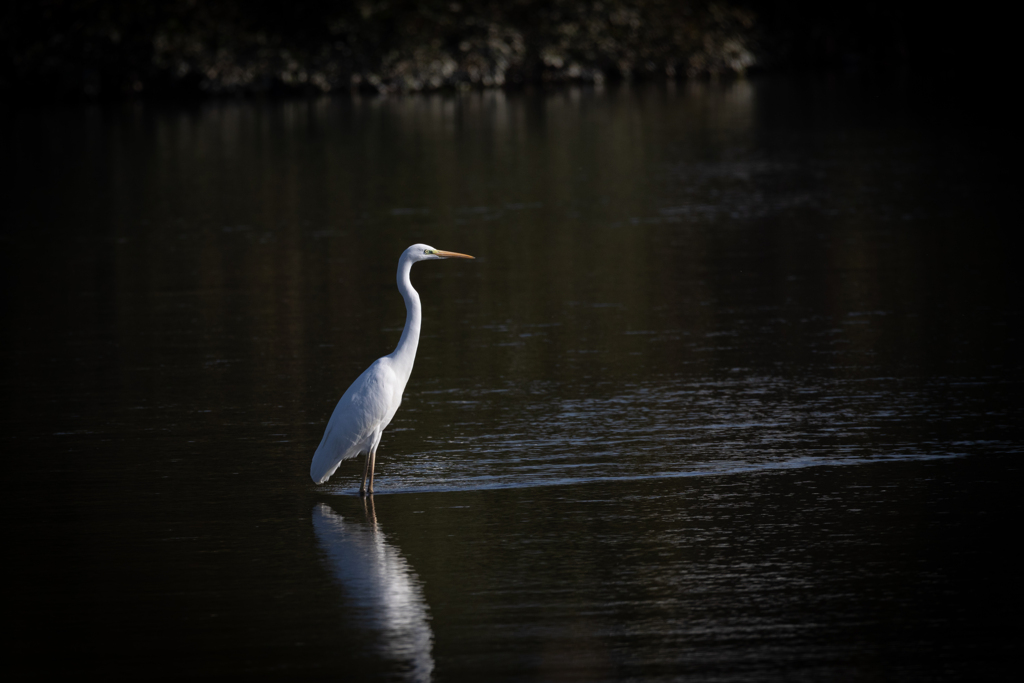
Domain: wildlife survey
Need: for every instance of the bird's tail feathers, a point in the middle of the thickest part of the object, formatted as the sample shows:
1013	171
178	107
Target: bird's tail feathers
326	461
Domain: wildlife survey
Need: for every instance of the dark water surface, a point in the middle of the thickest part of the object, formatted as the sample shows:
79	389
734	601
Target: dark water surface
733	391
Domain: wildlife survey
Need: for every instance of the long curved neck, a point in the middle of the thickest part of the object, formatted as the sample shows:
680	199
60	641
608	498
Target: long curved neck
405	353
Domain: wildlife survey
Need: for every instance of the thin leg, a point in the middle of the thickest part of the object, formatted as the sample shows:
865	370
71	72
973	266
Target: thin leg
366	470
373	463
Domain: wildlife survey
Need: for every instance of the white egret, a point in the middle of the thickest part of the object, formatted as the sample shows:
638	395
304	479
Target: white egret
367	407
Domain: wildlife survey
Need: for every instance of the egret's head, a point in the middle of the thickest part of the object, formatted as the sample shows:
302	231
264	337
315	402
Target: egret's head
425	252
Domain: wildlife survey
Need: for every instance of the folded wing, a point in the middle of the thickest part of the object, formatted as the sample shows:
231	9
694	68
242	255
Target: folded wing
361	414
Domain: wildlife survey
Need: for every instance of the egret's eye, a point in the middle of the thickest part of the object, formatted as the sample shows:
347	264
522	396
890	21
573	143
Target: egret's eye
426	251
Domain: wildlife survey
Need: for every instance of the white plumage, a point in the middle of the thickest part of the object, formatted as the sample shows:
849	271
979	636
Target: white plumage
368	406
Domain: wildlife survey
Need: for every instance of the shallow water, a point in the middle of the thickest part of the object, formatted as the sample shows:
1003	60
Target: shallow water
731	392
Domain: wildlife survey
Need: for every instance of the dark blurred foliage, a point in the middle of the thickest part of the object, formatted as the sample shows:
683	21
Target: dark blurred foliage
929	40
115	48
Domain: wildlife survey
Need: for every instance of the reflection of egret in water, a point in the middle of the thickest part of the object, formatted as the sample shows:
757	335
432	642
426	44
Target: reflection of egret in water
382	588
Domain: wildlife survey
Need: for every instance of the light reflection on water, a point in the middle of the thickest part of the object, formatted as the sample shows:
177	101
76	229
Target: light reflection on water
673	429
382	592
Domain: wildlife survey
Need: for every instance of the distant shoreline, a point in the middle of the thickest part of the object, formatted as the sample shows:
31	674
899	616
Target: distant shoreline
183	50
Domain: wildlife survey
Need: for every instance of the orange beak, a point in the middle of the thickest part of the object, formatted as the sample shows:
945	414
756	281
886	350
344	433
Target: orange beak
452	254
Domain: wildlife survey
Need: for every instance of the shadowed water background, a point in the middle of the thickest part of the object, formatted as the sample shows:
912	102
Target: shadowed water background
731	392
